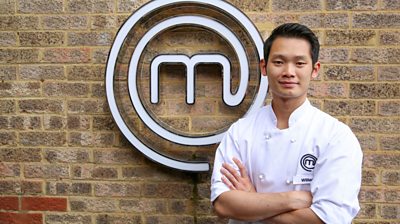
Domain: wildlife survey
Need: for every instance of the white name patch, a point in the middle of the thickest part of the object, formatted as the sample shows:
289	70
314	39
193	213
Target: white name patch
302	179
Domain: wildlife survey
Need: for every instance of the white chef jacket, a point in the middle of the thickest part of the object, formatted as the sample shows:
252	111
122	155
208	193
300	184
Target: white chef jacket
317	153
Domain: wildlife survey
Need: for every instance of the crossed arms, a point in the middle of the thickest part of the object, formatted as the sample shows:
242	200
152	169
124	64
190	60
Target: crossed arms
242	202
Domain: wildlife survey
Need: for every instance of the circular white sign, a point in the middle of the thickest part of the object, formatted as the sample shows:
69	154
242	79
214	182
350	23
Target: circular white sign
195	20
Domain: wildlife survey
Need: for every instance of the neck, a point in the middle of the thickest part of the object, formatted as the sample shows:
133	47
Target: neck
283	109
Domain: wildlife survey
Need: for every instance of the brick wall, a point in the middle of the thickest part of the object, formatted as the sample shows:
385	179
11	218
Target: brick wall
63	160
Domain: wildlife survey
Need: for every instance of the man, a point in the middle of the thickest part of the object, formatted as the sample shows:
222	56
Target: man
289	162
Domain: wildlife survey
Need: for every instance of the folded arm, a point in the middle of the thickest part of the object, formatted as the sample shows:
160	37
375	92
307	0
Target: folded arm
243	203
251	206
300	216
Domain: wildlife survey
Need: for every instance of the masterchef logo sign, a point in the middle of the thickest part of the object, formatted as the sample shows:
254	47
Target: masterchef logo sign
176	38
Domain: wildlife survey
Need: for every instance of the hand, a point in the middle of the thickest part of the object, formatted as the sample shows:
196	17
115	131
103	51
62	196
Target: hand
234	180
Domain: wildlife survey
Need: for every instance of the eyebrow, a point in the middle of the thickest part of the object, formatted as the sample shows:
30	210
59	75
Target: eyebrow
299	57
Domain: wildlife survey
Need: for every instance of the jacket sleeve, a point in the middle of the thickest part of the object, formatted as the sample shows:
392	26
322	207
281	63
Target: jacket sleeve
227	149
337	179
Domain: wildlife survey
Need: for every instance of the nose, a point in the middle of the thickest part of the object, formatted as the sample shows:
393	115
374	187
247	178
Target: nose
289	70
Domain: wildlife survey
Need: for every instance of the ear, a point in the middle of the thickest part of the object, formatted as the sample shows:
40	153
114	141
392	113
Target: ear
263	67
316	69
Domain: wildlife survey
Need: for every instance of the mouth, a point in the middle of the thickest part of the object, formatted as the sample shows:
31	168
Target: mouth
288	84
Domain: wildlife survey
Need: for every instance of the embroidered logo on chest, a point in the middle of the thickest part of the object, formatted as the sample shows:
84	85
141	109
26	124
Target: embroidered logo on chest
308	162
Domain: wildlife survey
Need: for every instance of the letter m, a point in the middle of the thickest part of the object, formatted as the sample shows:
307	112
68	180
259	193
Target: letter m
190	63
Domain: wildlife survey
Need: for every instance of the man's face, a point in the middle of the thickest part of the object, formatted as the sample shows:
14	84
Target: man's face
289	69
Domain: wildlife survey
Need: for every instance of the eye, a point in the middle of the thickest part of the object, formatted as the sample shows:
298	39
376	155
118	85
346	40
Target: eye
300	63
277	62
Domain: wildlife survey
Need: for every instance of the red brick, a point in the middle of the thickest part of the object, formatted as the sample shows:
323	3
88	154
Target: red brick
20	218
9	203
44	204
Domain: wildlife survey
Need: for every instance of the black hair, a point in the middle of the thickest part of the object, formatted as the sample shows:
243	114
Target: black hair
293	30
